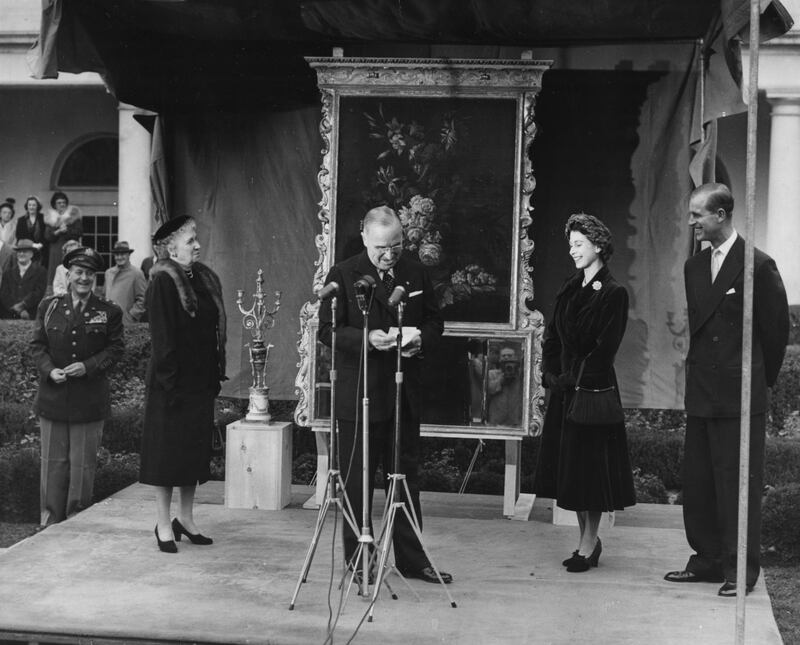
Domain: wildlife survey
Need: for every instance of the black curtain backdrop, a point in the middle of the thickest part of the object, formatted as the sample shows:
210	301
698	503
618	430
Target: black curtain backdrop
608	144
615	145
250	179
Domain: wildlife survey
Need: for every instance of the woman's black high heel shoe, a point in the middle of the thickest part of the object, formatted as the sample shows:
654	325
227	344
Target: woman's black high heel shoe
194	538
166	546
594	558
581	563
570	559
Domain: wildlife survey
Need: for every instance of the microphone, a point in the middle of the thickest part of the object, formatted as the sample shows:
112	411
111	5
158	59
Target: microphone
329	290
399	294
364	284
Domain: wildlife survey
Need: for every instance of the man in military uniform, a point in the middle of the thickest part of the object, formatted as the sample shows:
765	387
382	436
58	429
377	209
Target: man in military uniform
78	336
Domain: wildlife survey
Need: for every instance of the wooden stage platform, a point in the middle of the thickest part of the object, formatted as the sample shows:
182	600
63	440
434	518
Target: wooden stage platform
99	578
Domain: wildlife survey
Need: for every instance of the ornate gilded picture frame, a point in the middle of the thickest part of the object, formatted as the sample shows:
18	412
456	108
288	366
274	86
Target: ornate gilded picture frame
446	144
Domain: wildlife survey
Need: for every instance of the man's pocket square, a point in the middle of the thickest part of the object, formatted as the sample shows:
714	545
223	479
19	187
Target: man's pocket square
730	291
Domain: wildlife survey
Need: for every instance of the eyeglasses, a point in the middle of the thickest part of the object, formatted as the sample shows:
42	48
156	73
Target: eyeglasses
389	249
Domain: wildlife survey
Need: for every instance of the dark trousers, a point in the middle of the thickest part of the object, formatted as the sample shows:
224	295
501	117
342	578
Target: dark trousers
408	553
711	495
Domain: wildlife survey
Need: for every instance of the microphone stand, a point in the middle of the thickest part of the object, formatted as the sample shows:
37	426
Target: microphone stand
362	556
336	493
396	481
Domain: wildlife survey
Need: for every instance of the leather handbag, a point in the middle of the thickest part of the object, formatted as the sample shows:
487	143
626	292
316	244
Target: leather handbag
590	407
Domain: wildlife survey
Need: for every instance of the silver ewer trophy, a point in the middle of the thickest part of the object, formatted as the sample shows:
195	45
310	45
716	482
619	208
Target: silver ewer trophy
257	319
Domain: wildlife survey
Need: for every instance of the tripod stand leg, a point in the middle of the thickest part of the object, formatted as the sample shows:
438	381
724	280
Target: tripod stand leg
412	518
334	483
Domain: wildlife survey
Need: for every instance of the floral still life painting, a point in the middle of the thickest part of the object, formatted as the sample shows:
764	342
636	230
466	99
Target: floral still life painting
447	167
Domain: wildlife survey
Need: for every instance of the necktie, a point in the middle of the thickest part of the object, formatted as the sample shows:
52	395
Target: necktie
79	309
716	263
388	282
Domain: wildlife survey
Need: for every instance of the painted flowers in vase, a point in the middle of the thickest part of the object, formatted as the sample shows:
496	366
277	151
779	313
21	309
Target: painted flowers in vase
418	175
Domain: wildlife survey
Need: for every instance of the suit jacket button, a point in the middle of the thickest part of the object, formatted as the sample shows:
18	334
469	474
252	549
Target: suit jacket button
715	339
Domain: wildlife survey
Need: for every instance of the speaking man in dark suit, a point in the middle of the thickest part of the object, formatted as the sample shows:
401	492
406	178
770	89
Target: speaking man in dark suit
714	292
382	262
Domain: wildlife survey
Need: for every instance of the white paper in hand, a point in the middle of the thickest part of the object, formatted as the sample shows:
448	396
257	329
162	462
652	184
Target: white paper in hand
409	334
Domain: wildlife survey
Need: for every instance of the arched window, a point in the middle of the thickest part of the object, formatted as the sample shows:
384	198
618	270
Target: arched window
90	163
88	171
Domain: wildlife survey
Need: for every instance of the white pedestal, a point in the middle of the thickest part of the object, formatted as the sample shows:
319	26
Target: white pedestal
258	465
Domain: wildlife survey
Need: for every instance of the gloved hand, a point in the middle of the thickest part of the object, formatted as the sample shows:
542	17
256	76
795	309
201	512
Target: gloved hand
560	383
175	400
566	381
551	381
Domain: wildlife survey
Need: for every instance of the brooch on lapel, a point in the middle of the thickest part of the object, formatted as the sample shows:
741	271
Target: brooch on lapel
99	317
597	285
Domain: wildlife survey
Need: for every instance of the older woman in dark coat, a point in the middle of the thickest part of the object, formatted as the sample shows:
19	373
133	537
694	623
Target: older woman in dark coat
585	468
187	325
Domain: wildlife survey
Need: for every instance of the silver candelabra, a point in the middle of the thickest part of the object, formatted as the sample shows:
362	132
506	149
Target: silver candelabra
257	319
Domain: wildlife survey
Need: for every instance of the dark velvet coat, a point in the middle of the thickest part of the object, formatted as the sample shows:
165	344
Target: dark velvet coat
60	337
35	233
187	327
586	468
714	361
28	289
421	311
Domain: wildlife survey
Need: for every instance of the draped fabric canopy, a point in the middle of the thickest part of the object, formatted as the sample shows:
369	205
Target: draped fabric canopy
240	148
163	54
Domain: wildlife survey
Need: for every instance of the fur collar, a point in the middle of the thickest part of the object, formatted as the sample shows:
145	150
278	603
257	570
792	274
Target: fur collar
188	297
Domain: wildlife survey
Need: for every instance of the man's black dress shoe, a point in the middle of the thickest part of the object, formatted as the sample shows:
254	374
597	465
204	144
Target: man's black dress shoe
357	576
691	576
166	546
728	590
428	574
195	538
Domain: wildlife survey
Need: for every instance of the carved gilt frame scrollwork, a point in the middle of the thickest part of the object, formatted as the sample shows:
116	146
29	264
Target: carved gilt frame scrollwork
514	82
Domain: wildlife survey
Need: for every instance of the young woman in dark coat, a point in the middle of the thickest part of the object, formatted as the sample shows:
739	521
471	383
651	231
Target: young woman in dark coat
586	469
187	327
31	226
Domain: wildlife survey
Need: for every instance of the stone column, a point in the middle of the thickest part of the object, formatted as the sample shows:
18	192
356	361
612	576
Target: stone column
135	203
783	215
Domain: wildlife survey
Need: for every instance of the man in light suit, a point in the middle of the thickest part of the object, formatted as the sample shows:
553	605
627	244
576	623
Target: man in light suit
382	261
714	291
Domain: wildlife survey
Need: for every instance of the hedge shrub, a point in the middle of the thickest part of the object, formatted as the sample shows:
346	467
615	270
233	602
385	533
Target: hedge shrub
785	401
780	519
19	483
781	462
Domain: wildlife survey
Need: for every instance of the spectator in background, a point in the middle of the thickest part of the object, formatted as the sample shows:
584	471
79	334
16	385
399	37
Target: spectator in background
78	336
125	285
60	280
159	253
8	235
23	284
31	227
505	405
8	227
6	259
62	223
